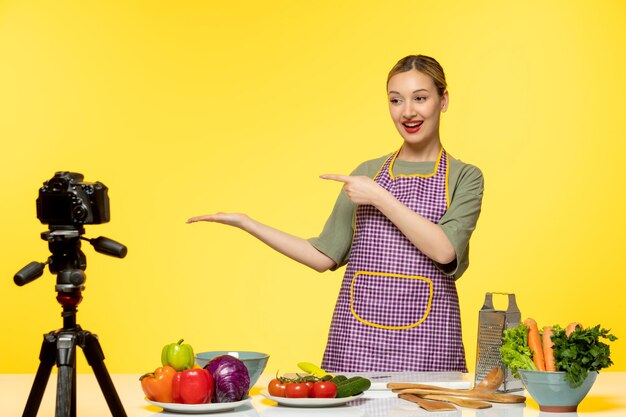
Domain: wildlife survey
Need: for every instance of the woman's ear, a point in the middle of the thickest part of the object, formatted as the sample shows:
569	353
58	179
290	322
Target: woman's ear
445	99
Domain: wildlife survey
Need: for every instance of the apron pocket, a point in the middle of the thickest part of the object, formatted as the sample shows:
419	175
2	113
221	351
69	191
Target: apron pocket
390	301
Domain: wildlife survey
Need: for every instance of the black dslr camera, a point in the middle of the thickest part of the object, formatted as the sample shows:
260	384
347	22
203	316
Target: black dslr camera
65	200
66	204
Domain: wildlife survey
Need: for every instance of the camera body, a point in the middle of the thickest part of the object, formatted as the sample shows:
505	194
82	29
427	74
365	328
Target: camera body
65	200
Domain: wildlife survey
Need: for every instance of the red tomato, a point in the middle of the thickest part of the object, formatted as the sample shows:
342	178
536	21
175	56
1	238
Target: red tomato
309	385
324	389
276	388
297	390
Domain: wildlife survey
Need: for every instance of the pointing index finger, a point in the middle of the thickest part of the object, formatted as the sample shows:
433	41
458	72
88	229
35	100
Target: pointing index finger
336	177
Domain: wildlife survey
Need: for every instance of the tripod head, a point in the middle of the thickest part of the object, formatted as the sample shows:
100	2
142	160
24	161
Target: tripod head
68	261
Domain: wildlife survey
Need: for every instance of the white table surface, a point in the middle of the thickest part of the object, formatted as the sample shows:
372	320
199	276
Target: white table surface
607	398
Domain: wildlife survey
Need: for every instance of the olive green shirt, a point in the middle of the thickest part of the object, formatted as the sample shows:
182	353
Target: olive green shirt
465	185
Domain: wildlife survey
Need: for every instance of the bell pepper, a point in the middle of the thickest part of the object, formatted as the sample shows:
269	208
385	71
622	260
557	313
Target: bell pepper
178	355
157	385
193	386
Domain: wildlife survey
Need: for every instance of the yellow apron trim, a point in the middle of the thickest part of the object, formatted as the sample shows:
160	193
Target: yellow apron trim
400	276
381	167
432	174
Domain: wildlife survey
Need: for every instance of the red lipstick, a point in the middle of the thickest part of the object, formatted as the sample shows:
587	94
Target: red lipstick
412	126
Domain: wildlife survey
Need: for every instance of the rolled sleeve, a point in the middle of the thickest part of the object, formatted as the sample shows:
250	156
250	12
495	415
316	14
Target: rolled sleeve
459	221
335	241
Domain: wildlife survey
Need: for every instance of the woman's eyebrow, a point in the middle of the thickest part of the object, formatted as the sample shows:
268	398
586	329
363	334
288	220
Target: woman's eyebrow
416	91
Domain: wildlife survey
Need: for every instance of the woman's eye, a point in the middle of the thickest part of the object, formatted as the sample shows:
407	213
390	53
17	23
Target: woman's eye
394	101
420	98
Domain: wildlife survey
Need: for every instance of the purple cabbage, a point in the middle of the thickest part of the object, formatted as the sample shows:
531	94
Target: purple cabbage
231	378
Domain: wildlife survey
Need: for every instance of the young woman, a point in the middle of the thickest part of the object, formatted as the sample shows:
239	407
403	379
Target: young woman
402	224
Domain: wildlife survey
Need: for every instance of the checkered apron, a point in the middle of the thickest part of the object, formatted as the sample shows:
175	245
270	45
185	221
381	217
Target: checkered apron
396	311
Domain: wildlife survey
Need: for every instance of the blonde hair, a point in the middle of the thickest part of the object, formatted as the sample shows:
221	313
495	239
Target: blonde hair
423	64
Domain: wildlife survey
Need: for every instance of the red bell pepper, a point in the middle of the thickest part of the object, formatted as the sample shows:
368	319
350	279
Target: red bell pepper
157	385
193	386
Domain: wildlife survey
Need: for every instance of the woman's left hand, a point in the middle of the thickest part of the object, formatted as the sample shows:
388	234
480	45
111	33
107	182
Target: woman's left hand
359	189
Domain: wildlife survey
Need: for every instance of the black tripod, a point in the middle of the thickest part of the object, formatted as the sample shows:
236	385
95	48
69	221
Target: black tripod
59	346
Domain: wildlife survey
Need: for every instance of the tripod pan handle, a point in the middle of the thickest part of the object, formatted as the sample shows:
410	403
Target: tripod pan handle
29	273
109	247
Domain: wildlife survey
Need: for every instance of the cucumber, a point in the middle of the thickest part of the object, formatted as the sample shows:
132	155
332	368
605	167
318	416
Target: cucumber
348	380
338	379
352	386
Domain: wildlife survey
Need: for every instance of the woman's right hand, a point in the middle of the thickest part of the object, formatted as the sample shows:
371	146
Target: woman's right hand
231	219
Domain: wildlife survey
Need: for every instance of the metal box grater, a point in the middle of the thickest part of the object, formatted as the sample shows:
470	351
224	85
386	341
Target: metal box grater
491	325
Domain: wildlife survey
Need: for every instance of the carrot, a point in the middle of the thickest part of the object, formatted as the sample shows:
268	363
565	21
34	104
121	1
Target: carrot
534	343
571	327
548	349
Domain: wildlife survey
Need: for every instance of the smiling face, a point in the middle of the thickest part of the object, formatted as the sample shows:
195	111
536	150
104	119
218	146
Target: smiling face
415	106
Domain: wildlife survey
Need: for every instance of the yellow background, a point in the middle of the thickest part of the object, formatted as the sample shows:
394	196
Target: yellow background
183	108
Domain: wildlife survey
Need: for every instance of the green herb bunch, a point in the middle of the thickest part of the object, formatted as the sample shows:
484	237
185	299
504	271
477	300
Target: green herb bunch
581	352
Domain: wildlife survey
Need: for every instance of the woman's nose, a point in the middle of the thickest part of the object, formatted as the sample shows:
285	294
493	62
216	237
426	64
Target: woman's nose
408	112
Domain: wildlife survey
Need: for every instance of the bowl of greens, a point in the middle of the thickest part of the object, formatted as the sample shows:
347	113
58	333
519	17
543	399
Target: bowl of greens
553	392
557	366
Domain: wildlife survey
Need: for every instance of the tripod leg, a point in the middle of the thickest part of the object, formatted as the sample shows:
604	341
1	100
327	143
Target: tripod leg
64	392
95	358
66	384
47	356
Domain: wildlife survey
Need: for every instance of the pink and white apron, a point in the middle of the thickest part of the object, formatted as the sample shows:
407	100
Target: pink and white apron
396	311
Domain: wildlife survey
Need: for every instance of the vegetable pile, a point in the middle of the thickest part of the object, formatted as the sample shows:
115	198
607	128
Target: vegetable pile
180	380
574	350
317	384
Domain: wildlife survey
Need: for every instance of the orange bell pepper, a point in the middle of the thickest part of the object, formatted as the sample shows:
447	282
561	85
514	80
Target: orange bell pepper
157	385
